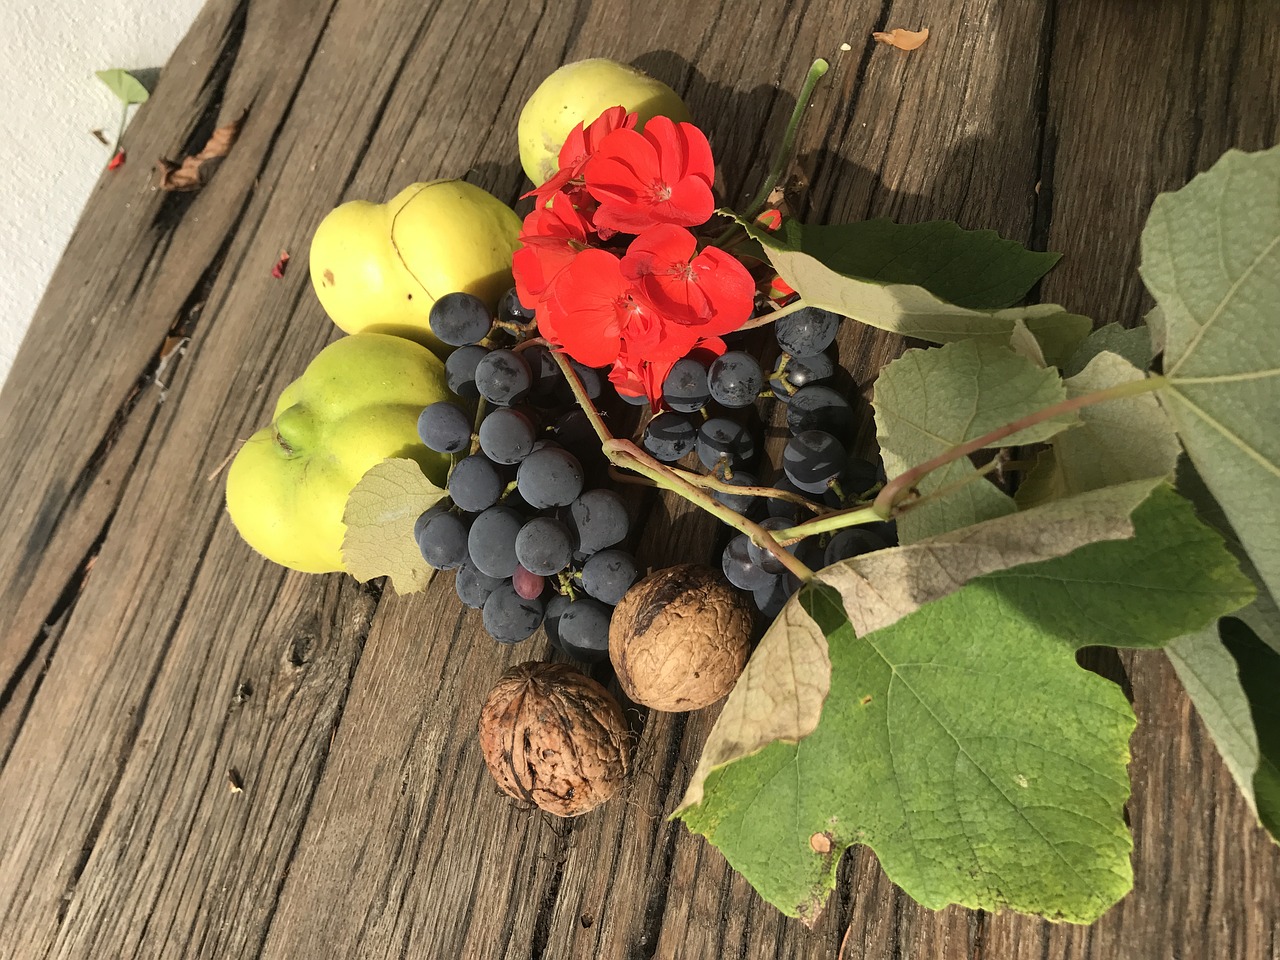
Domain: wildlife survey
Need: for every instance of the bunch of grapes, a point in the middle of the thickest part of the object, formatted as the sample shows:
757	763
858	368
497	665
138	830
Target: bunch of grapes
532	543
704	403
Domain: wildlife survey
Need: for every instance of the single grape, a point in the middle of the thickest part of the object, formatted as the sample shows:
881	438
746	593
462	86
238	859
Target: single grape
441	537
583	629
528	585
813	459
598	519
472	586
550	477
460	370
460	319
507	435
772	598
503	377
669	436
634	399
554	610
544	546
686	390
738	502
721	441
807	331
475	483
787	509
492	541
743	572
791	373
735	379
861	475
444	427
509	617
609	574
818	407
574	432
590	378
851	542
547	381
512	310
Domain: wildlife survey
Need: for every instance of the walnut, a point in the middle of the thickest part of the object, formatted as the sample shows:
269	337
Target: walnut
554	737
679	638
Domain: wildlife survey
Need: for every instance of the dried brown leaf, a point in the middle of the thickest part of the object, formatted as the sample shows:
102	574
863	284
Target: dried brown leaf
194	171
902	39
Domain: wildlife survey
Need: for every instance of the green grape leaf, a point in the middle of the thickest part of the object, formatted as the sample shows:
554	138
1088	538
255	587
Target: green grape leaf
1132	343
780	693
1259	667
1211	259
380	514
970	268
1117	441
902	301
124	85
962	742
929	400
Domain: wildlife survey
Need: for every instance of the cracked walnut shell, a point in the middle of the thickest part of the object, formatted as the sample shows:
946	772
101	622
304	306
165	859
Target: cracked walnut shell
554	738
679	639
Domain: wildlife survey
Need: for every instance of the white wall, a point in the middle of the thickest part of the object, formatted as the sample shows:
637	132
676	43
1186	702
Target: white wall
49	158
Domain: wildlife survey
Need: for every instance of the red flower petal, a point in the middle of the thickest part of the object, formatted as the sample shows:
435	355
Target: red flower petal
592	306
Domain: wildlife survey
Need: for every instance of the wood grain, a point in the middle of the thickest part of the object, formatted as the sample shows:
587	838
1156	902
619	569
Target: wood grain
150	664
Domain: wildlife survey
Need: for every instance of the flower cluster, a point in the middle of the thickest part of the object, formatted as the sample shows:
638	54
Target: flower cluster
608	259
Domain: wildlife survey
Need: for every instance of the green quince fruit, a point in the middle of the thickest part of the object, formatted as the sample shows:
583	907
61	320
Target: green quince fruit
378	267
578	93
356	404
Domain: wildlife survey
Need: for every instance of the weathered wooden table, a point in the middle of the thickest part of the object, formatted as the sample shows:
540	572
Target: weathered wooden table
148	659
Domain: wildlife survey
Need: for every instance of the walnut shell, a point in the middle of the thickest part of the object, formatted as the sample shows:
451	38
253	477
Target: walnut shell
679	638
554	737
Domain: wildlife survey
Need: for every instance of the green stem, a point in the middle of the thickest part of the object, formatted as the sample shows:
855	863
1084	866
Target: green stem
795	306
783	157
626	454
901	486
715	483
580	394
124	117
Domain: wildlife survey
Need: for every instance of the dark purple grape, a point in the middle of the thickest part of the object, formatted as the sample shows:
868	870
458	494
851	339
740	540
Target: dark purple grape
460	319
507	435
550	477
686	390
512	310
813	459
445	427
503	377
598	519
743	572
763	558
818	407
554	609
791	373
722	441
583	629
735	379
669	436
807	331
441	537
492	541
475	483
460	370
851	542
472	586
544	546
609	574
738	502
509	617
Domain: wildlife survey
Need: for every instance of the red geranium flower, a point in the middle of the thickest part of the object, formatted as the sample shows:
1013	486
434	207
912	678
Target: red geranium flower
551	237
711	289
590	306
662	175
580	146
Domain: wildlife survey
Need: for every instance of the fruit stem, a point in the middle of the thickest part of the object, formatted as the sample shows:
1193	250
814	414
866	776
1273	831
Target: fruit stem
903	485
715	483
795	306
624	453
124	118
783	156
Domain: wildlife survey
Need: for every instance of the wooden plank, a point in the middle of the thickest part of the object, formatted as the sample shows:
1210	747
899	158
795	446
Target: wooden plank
366	824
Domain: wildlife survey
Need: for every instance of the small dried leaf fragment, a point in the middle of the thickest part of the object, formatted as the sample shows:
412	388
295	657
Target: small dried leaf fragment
116	161
194	171
902	39
281	263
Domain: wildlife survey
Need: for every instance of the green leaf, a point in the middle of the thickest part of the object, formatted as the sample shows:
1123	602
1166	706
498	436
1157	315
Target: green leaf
1211	259
970	268
904	308
964	745
380	514
927	401
780	694
1132	343
124	85
1121	440
1259	667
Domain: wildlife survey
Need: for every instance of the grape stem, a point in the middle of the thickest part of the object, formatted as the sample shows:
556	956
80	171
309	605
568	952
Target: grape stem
624	453
795	306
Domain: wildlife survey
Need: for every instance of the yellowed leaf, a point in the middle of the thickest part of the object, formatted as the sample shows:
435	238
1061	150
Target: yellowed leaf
902	39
